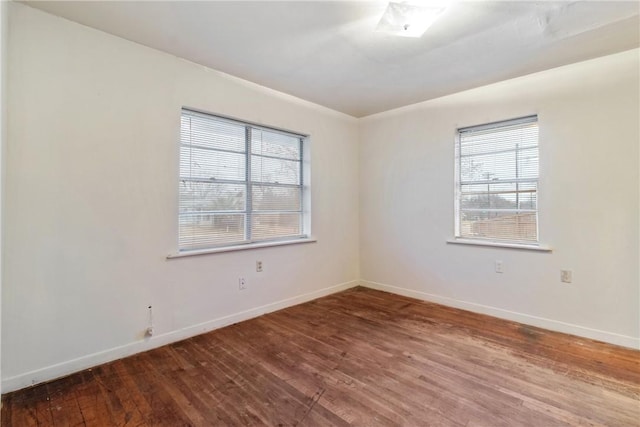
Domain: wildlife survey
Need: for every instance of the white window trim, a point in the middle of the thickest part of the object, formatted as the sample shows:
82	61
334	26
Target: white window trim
305	177
487	242
242	247
495	244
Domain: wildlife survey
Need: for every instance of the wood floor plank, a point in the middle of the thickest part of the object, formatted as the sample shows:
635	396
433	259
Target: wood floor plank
359	357
117	396
19	409
461	353
281	393
434	388
63	401
91	403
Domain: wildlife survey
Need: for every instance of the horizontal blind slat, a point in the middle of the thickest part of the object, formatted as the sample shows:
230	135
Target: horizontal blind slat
498	167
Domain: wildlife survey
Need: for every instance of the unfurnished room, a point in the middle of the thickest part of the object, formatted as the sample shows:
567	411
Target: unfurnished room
320	213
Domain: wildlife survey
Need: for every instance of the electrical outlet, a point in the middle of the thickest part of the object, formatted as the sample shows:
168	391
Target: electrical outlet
566	276
499	267
242	284
259	266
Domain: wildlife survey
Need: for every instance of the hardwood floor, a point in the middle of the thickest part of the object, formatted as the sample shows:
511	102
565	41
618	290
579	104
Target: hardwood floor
360	357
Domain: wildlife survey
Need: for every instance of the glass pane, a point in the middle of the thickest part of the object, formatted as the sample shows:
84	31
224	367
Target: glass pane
266	169
207	230
499	225
208	196
489	167
274	144
211	164
212	132
528	163
526	199
275	198
499	139
273	225
499	154
486	188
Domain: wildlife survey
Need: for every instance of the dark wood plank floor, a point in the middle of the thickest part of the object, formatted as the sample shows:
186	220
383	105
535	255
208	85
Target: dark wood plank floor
360	357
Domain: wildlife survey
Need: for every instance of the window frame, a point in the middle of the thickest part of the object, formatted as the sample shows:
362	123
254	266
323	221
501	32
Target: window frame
458	183
250	241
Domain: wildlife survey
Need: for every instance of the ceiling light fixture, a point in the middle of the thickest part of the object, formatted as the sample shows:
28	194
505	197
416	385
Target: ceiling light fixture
408	20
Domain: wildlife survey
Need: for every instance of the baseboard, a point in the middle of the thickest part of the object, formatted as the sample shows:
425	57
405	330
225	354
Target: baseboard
553	325
65	368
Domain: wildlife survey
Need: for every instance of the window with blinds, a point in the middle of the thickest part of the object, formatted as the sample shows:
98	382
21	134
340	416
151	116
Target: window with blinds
497	181
239	183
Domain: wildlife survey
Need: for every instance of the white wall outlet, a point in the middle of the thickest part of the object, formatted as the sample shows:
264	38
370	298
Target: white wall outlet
566	276
242	284
499	267
259	266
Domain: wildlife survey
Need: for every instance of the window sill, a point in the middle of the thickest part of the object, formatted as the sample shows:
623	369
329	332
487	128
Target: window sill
241	247
536	247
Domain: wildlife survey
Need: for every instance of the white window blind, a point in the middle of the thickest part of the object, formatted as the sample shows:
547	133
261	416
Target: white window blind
497	181
239	183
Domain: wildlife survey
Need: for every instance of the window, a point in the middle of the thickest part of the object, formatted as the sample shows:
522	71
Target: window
497	181
239	183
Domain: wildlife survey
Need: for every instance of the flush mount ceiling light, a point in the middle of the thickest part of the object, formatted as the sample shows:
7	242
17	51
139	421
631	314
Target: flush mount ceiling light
408	20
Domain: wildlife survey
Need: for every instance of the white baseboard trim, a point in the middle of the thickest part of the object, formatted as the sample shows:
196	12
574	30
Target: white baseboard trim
553	325
75	365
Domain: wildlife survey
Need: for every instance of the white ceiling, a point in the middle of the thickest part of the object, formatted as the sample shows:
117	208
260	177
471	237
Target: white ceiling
326	51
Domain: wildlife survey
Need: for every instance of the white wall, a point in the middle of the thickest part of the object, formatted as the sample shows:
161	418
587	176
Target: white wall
4	31
91	194
589	147
91	201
